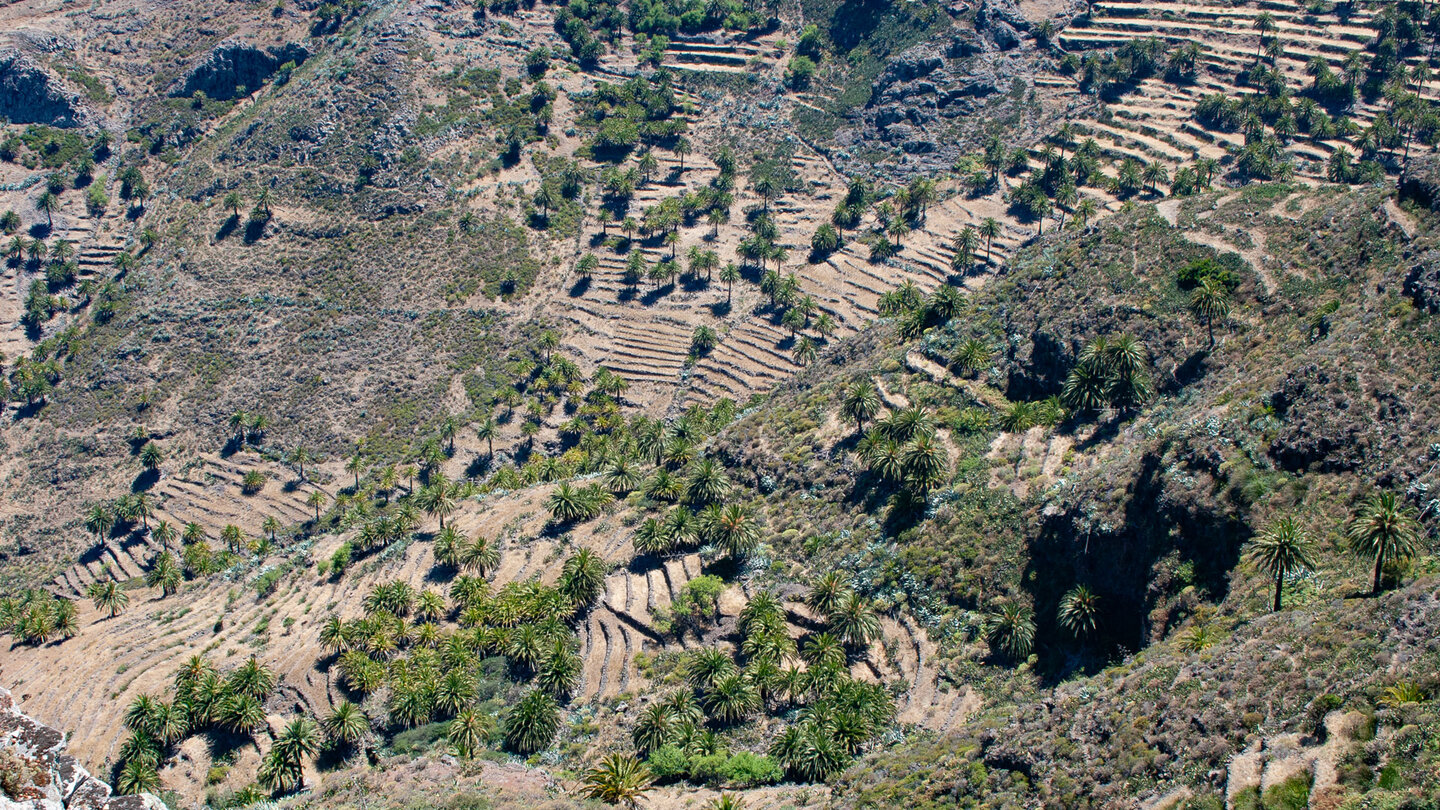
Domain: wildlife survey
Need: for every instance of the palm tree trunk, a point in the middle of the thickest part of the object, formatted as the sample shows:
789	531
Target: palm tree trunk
1379	568
1210	326
1279	583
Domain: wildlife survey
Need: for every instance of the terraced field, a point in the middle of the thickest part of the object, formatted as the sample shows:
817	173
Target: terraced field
112	660
1156	121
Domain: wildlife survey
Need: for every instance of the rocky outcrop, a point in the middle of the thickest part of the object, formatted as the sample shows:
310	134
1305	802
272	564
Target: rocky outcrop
37	774
932	102
31	94
1422	283
1331	424
234	69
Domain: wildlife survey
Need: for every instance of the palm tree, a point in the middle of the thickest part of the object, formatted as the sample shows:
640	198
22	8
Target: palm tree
1012	631
973	356
582	577
735	531
618	779
1383	528
233	201
1210	302
707	483
1079	611
138	776
107	596
438	499
825	595
99	520
233	537
346	724
567	504
1282	549
854	621
315	501
964	246
1154	174
1085	209
681	149
805	351
731	697
480	556
468	731
861	402
1264	24
283	767
532	724
300	457
989	228
49	203
164	573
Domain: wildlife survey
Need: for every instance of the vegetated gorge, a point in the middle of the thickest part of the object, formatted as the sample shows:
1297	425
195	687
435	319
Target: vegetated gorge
720	404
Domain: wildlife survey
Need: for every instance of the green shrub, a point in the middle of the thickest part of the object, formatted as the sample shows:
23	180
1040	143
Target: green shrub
420	739
1197	272
668	763
1292	794
746	770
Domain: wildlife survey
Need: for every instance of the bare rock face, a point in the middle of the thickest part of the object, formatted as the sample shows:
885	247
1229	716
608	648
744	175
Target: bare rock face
37	774
31	94
236	68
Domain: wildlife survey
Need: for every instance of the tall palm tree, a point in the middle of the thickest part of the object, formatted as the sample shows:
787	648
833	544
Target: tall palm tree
964	246
283	767
485	431
1264	24
1383	528
316	500
989	228
618	779
49	203
99	520
1210	302
300	457
805	352
164	574
1283	548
